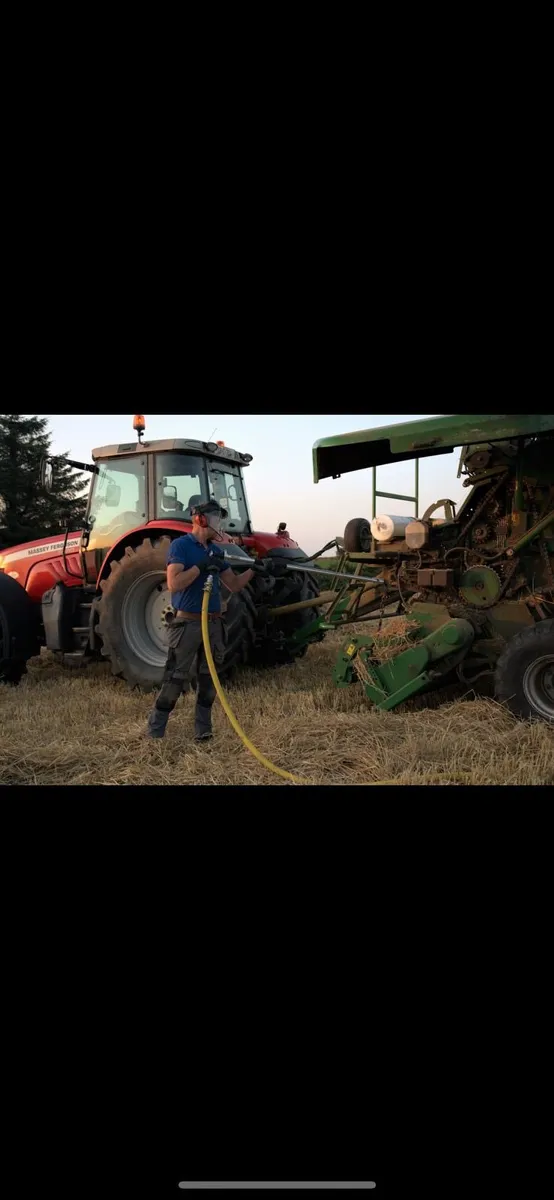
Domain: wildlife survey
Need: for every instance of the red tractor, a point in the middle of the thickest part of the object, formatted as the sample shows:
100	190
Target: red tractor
102	591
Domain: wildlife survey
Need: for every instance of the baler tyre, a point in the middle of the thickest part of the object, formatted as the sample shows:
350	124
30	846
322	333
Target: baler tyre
19	629
131	616
524	676
357	536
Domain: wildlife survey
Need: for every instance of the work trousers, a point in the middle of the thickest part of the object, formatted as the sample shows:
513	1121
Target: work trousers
185	660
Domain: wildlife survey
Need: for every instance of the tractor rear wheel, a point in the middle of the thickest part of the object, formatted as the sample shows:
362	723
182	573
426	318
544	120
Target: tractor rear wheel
524	676
19	629
295	586
238	623
135	609
309	591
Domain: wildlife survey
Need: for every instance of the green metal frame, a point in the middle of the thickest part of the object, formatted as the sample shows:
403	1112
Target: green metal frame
413	669
396	495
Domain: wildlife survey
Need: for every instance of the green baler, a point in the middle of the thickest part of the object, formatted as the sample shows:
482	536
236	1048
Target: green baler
478	584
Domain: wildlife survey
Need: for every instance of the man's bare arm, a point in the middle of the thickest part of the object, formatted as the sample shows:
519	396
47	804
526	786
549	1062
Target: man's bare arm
180	577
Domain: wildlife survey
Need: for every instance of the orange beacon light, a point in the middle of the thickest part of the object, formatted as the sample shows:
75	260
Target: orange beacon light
139	424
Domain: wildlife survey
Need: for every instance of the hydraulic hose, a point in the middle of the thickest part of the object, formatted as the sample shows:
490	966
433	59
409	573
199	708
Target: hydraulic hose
246	740
225	703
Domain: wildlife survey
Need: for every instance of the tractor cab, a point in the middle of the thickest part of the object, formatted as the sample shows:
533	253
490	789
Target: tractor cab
158	483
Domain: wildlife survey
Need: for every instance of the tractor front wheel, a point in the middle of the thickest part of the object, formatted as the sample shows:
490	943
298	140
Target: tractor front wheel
19	629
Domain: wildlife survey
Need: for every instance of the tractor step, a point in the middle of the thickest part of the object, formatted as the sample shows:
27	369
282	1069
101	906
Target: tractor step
74	659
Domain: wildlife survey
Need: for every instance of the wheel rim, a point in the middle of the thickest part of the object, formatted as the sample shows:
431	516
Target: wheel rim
144	618
538	685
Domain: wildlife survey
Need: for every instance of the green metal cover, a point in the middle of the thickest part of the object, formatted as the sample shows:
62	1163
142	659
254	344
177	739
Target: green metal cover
422	439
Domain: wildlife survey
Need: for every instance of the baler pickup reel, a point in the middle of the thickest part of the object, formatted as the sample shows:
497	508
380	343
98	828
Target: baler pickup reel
411	670
434	652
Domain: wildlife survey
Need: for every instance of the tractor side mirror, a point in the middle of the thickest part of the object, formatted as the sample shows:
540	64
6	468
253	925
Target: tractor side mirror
169	497
46	474
113	495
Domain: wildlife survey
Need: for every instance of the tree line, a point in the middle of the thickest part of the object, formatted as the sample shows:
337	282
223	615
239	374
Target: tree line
27	510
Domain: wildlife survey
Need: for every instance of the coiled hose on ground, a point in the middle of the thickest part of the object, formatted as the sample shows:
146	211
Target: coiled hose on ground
243	736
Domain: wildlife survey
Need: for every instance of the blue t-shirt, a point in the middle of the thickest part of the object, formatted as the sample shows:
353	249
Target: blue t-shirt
188	552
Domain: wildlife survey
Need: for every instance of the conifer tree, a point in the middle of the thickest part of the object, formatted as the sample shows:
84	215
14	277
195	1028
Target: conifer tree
27	511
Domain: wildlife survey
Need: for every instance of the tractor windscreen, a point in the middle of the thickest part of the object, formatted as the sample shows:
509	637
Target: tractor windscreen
118	500
183	480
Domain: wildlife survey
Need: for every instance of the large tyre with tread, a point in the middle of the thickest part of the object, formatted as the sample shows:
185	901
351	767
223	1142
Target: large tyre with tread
524	676
357	536
19	629
305	616
300	585
133	611
239	620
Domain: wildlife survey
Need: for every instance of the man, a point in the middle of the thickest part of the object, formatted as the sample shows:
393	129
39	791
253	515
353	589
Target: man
190	559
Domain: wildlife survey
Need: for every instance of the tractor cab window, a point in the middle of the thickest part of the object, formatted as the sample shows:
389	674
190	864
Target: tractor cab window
227	488
180	483
118	500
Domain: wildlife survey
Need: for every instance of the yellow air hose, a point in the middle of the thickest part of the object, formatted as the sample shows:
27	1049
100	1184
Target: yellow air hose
243	737
225	703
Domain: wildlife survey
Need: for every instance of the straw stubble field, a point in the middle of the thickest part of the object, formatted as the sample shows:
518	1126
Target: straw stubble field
85	727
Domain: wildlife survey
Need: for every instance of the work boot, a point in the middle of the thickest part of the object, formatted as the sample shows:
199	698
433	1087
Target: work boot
157	722
202	723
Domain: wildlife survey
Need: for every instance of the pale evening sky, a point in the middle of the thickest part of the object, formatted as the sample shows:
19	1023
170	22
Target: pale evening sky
279	480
